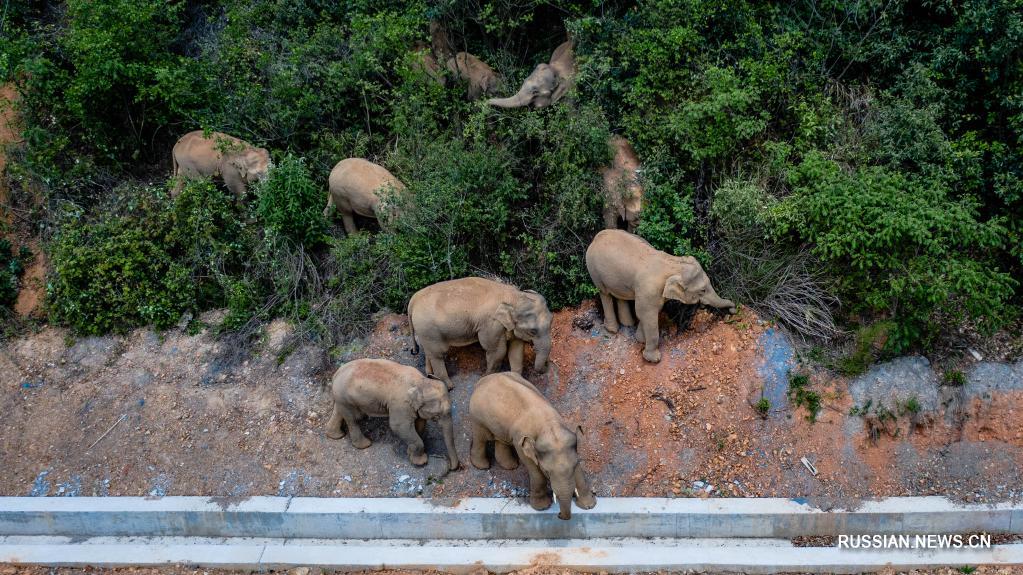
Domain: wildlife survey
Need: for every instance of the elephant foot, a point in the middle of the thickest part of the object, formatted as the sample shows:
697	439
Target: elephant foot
454	465
479	460
335	433
541	502
611	328
419	459
588	501
361	442
639	335
653	356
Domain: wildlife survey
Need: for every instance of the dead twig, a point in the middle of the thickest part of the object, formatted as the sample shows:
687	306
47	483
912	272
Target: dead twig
109	429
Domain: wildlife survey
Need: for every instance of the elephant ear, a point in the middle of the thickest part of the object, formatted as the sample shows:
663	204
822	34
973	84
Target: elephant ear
504	314
415	398
674	288
529	449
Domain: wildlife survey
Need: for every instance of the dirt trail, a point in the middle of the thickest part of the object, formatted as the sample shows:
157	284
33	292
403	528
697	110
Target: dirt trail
30	297
174	414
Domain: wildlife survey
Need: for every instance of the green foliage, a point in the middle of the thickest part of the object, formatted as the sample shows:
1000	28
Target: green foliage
827	163
290	203
954	377
869	343
763	406
903	244
147	265
801	395
12	267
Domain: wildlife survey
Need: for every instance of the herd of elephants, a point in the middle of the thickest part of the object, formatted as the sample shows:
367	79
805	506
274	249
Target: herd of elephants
504	409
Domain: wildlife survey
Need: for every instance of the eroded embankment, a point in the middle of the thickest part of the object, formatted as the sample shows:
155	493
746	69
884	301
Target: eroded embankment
174	414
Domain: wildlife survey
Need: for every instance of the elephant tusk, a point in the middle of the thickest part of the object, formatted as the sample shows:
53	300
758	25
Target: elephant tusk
555	495
576	492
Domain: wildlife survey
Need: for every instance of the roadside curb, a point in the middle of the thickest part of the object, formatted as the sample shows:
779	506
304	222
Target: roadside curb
488	518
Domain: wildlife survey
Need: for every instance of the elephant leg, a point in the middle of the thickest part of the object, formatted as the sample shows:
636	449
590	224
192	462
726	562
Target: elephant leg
624	313
516	350
404	426
539	497
436	362
648	330
351	417
420	426
496	355
348	219
335	429
478	450
610	218
505	456
610	321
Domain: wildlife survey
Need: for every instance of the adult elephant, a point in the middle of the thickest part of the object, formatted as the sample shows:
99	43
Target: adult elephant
625	267
547	84
239	163
499	316
480	78
354	187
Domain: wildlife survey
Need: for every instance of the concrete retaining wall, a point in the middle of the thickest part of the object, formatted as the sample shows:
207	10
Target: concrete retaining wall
487	518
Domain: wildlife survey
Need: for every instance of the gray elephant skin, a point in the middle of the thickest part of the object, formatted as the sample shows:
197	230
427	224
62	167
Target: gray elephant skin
236	161
464	311
624	267
524	426
383	388
547	84
357	186
623	194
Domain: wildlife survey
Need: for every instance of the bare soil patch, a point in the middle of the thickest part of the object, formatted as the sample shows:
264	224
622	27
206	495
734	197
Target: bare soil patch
175	414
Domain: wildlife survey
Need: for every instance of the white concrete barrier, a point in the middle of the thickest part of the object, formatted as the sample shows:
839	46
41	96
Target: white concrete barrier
488	518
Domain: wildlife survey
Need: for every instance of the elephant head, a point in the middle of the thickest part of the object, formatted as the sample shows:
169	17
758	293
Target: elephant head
554	451
528	319
546	84
252	164
691	286
429	400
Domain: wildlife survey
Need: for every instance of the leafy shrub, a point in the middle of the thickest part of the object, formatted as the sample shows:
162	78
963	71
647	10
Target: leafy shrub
290	203
147	265
903	244
802	396
12	266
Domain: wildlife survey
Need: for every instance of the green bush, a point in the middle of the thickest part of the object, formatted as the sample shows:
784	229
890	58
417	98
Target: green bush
12	266
290	203
147	265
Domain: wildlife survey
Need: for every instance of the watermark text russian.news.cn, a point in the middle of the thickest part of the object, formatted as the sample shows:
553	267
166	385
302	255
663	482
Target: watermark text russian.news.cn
932	541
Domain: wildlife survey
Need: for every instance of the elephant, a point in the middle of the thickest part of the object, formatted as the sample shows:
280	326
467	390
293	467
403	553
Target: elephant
546	84
623	194
239	163
508	410
425	63
625	267
463	311
482	79
383	388
354	187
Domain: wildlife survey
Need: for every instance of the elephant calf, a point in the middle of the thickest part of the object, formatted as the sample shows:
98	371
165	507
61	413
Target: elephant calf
625	267
219	155
623	195
524	426
499	316
354	187
382	388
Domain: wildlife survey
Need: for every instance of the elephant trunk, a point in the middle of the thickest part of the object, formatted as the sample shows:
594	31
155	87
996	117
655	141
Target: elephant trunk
564	489
714	300
519	100
449	442
542	349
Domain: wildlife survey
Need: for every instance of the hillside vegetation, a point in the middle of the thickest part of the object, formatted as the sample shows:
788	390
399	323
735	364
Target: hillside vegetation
832	164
